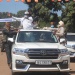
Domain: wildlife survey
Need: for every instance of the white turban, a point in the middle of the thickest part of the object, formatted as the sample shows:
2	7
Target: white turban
61	23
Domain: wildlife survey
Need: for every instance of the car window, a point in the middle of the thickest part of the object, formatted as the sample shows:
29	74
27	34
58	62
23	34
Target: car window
36	36
70	37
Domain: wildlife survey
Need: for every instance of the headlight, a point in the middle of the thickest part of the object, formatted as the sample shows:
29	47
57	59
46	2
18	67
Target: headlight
64	52
19	51
68	46
73	46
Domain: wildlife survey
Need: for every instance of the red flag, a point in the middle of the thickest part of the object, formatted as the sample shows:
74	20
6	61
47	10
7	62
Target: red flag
28	0
0	0
8	0
23	0
36	0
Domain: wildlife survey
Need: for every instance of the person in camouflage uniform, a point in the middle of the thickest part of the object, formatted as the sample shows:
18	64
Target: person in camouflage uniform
8	33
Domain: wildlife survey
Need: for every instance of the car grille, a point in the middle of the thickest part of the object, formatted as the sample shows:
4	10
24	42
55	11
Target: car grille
43	53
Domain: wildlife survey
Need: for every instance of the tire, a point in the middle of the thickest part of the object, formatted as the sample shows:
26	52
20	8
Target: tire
13	73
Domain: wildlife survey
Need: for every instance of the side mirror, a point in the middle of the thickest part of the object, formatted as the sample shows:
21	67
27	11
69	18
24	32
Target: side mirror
62	40
11	39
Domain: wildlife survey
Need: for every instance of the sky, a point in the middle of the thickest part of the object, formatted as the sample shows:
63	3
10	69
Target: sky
12	6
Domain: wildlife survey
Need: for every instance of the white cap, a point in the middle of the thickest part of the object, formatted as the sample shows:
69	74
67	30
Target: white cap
62	40
61	23
26	12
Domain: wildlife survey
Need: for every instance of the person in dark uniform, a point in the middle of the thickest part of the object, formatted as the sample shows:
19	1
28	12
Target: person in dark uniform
8	33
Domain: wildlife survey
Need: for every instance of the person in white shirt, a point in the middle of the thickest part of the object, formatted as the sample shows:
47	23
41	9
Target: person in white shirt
26	21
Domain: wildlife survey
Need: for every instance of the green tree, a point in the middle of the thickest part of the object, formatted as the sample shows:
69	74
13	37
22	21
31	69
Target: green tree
68	16
20	13
45	10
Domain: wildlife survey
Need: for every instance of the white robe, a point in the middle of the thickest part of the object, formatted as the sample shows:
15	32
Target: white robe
25	23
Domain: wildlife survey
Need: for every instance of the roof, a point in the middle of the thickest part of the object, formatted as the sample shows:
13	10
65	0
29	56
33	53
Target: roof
35	30
70	33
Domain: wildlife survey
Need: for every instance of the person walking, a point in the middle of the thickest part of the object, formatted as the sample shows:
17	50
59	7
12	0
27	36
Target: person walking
8	33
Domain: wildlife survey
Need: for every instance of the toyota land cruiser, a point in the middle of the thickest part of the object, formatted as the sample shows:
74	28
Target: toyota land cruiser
38	50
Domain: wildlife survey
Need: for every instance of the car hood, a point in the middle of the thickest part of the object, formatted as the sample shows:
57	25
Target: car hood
71	50
71	43
38	45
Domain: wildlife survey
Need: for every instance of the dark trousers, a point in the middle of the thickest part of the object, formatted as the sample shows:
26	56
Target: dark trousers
8	52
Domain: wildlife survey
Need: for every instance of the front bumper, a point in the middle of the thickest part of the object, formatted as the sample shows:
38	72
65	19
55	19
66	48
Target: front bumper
22	64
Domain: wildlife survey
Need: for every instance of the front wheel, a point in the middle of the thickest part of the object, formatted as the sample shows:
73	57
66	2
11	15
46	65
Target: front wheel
13	73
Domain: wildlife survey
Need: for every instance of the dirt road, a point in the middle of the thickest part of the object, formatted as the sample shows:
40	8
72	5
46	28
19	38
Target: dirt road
4	69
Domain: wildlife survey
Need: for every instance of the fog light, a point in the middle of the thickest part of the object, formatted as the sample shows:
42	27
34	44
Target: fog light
71	53
20	64
65	62
19	61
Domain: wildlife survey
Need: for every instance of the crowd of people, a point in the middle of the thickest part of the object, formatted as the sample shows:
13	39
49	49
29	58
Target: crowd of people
26	22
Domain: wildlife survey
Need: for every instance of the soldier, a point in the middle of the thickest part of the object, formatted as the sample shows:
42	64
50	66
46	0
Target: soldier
7	32
60	33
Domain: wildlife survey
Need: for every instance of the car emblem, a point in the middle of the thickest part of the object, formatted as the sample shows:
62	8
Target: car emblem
43	52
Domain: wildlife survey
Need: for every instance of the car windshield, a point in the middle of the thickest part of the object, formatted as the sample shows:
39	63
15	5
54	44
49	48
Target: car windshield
36	36
70	37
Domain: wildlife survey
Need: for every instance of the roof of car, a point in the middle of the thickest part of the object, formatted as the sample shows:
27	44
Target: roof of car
34	30
70	33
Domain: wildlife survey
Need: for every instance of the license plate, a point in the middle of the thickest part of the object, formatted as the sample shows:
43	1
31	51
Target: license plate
44	62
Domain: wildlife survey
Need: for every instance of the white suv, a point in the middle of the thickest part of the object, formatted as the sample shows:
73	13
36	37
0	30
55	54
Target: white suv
71	44
38	50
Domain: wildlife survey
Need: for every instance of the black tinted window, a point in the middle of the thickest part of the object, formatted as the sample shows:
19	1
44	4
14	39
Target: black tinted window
36	36
70	37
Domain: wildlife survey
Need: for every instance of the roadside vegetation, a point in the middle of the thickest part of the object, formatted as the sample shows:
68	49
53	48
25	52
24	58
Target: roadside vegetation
45	12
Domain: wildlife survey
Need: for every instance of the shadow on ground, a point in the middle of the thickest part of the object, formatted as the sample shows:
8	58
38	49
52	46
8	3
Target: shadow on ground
43	73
